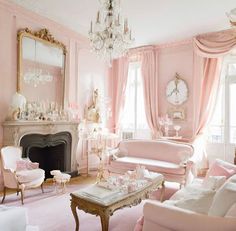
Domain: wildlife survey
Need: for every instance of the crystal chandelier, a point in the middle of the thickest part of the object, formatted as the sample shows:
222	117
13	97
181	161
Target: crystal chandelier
110	36
35	76
232	17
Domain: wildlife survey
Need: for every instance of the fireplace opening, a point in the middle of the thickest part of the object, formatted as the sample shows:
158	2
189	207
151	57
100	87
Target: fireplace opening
51	151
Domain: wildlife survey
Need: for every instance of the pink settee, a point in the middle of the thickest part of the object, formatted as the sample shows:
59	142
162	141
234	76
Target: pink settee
172	159
206	204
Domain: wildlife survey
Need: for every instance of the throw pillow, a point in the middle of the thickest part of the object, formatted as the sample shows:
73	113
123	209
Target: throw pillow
213	182
200	204
21	165
221	168
32	165
25	164
224	198
116	153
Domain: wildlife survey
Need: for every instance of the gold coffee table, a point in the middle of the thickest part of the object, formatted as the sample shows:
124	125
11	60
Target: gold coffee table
103	202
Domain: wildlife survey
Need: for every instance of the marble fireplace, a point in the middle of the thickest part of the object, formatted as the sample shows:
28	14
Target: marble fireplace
52	144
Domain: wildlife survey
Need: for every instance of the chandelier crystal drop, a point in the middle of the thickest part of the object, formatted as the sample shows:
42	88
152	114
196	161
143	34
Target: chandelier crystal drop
36	75
232	17
110	36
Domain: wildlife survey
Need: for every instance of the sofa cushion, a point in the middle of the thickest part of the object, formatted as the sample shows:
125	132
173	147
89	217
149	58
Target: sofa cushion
129	163
224	198
162	150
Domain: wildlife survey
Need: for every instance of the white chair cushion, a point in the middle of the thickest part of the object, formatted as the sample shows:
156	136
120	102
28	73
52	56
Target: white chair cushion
224	198
26	176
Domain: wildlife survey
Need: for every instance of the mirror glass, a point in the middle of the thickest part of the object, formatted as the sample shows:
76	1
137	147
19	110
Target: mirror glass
41	68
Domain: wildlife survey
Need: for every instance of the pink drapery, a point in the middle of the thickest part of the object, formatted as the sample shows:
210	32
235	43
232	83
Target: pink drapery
208	52
206	79
150	85
208	48
118	77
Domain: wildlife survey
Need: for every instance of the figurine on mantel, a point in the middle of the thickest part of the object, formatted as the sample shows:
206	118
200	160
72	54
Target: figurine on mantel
18	104
22	110
92	113
165	122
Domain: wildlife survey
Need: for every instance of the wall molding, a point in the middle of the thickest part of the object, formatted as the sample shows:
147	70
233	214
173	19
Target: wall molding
19	11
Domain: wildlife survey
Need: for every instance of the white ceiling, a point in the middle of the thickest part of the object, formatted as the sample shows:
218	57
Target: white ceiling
152	21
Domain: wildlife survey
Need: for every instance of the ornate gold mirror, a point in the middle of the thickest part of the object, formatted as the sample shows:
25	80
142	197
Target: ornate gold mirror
41	67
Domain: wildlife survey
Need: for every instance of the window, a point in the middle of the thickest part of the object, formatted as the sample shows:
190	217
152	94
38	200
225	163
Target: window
222	128
133	117
216	128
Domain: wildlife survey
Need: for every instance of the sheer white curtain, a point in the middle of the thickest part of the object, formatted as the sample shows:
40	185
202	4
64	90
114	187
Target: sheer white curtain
133	117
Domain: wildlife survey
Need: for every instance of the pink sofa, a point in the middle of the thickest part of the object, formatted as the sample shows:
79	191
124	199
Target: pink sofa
173	218
206	204
172	159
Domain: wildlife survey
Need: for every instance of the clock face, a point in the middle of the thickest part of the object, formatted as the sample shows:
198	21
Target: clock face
177	91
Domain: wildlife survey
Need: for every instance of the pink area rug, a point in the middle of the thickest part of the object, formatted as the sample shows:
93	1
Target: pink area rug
51	212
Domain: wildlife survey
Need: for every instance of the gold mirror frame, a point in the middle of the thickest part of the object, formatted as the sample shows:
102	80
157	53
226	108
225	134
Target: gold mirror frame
43	36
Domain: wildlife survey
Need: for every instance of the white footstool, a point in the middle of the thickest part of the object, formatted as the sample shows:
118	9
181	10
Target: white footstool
60	179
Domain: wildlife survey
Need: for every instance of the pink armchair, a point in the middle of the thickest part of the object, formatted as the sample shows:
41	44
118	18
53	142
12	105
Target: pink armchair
19	174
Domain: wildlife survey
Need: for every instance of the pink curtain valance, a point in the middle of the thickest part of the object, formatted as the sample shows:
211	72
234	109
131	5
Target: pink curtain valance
140	50
216	44
135	54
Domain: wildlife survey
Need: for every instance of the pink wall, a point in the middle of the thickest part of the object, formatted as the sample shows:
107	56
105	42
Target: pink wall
84	71
177	57
172	58
82	67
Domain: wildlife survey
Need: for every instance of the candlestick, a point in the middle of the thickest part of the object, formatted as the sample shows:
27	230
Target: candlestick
125	26
98	17
91	27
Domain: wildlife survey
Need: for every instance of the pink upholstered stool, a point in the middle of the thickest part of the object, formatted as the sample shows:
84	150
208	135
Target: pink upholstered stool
60	179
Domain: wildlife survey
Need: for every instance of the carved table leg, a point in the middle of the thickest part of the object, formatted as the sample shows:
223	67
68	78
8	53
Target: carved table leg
104	221
73	209
162	191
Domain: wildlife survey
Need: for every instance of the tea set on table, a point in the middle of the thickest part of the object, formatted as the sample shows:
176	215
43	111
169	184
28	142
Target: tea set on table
130	181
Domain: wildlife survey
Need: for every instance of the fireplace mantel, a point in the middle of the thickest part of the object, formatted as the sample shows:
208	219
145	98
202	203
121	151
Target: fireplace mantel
13	131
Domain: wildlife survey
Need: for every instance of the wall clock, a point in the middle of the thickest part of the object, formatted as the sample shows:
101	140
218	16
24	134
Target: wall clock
177	91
